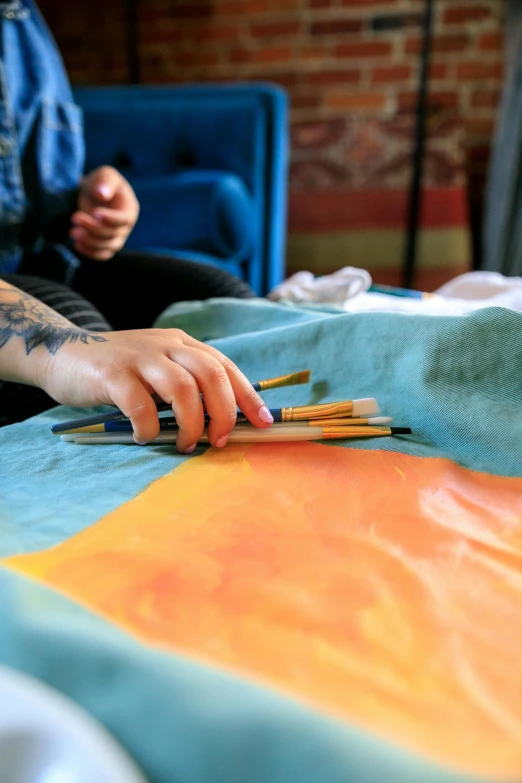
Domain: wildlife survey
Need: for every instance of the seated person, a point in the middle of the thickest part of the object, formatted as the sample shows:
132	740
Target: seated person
58	227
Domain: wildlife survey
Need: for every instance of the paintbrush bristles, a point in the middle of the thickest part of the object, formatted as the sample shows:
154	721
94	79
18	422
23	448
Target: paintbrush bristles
292	379
332	410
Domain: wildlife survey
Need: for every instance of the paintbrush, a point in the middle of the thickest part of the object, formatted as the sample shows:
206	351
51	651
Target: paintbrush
171	425
347	408
249	435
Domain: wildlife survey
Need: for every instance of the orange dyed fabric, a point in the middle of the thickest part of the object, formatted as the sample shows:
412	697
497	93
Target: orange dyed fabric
382	588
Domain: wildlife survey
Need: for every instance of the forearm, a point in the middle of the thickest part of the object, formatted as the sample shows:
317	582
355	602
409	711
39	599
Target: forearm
126	369
30	334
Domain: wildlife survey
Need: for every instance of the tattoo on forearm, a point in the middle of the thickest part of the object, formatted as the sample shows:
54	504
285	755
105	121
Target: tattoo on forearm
23	316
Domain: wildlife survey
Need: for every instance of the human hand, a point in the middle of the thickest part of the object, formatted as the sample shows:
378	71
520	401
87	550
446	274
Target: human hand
126	368
107	212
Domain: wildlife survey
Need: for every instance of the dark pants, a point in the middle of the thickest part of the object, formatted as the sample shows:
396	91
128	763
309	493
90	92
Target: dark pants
127	292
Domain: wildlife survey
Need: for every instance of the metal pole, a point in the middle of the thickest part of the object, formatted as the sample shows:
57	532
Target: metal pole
415	193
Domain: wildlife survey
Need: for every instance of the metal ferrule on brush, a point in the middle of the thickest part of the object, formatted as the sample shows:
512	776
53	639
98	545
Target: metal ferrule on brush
328	410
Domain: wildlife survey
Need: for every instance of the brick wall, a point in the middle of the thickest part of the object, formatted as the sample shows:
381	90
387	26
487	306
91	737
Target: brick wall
350	67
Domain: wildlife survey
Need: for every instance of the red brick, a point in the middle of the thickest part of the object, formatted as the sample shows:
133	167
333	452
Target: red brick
196	57
351	76
364	49
249	7
487	99
441	43
479	127
436	99
364	3
219	33
240	55
288	80
275	29
190	10
274	54
412	45
344	76
447	99
336	26
451	43
458	14
355	101
166	35
232	8
438	71
491	42
304	101
477	70
316	52
392	73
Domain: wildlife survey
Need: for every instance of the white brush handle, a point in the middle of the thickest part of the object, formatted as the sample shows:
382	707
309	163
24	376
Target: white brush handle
246	435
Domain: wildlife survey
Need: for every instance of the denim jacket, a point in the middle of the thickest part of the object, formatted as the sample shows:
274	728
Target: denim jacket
41	135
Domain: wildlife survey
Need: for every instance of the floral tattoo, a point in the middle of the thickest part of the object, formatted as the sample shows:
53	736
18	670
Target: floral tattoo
23	316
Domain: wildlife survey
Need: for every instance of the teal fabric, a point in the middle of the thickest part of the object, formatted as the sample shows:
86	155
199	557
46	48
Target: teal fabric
455	381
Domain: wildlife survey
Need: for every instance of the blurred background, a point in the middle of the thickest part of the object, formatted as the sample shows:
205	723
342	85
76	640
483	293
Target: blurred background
351	69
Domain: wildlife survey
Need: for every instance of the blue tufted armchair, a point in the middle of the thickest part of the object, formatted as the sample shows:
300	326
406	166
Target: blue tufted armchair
209	166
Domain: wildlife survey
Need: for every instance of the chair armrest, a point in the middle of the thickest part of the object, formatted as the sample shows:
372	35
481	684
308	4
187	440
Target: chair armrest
206	211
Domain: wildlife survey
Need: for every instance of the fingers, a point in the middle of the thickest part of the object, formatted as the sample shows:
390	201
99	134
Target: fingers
132	398
95	238
180	370
247	399
99	249
213	382
95	227
179	388
113	218
107	198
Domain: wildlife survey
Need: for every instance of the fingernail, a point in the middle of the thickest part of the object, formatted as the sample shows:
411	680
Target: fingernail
104	191
190	449
97	215
265	415
77	233
141	442
222	441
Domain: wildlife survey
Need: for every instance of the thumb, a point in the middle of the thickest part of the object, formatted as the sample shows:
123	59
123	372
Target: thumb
103	184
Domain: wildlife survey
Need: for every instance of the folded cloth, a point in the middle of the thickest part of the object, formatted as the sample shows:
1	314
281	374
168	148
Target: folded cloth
485	286
348	288
336	288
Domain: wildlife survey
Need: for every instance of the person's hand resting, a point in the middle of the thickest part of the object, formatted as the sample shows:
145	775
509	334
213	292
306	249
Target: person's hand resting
130	366
107	212
41	348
